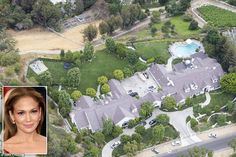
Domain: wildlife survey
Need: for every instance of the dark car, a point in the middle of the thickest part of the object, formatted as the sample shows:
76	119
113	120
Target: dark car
133	94
153	122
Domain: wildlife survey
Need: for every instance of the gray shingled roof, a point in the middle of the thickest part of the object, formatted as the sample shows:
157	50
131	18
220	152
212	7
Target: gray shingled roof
201	73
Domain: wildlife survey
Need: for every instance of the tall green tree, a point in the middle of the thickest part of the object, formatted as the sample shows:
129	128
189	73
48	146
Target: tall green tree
46	78
107	127
228	83
169	103
90	32
88	51
158	133
73	77
64	103
110	45
146	109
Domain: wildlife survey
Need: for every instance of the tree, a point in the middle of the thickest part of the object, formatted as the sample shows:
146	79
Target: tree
69	145
62	54
137	137
130	148
107	127
75	95
158	133
64	103
94	151
121	50
114	22
69	56
155	18
232	144
73	77
125	139
102	80
90	32
193	123
221	119
105	88
169	103
188	101
163	2
140	129
198	152
46	14
118	74
99	137
153	30
110	45
127	72
91	92
228	83
88	51
232	2
193	25
103	27
45	78
146	109
116	131
163	119
132	57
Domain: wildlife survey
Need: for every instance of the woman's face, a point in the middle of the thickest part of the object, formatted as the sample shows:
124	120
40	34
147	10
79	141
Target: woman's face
26	114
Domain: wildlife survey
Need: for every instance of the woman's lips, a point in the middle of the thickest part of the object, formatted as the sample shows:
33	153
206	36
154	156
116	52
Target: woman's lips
28	125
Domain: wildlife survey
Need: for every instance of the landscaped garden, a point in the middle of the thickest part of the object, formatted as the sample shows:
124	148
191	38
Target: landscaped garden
217	16
153	49
220	105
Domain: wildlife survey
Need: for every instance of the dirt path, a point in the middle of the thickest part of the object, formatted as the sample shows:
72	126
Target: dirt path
40	39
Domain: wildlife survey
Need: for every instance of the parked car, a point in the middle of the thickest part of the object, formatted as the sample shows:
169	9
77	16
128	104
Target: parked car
155	150
212	135
116	144
125	125
133	94
174	143
130	91
153	122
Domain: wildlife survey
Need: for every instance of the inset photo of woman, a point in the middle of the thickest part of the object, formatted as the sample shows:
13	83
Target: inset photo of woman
24	120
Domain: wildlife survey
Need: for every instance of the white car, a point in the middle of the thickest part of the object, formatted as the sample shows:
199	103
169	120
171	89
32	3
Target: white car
212	135
155	150
174	143
116	144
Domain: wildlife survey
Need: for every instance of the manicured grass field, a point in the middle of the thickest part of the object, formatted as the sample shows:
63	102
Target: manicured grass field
103	64
181	27
55	67
153	49
219	17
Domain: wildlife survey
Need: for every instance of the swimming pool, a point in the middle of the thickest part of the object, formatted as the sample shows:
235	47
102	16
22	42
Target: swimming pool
184	49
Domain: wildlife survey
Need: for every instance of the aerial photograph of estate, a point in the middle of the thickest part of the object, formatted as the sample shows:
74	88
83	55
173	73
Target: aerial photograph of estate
124	78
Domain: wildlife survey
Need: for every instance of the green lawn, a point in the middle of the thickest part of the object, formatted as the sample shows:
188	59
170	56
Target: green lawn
153	49
217	16
103	64
55	67
181	27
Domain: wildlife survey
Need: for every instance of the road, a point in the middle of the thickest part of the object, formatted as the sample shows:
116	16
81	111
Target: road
212	144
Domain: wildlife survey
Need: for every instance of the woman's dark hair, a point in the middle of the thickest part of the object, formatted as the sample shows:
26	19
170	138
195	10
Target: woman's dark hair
15	95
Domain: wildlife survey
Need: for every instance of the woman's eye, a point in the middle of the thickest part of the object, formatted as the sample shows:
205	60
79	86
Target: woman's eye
34	111
20	113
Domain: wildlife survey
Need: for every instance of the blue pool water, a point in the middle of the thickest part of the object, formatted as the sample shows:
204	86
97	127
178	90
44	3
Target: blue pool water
185	50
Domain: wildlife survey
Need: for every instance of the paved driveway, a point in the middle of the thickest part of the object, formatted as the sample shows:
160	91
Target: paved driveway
138	83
